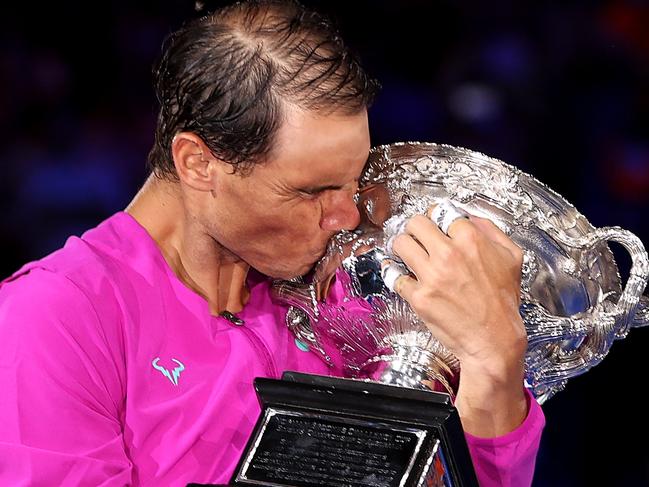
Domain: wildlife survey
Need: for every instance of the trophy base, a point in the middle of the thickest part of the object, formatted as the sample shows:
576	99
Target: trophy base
325	431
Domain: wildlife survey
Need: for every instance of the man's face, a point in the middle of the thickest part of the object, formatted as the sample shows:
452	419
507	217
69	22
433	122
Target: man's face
280	217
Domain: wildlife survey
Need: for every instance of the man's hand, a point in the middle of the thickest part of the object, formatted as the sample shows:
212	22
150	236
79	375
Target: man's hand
466	289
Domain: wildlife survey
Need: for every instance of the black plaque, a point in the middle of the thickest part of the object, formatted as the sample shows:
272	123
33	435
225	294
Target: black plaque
306	449
317	431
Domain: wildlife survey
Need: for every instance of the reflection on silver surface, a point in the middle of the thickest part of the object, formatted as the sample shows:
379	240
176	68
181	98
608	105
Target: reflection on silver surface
573	303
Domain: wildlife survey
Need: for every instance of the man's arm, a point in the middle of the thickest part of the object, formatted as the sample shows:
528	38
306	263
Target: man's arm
61	388
466	289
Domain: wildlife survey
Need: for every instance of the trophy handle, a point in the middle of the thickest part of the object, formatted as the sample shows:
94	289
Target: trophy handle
587	336
641	317
625	309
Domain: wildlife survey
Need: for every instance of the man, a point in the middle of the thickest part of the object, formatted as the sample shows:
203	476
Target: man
127	357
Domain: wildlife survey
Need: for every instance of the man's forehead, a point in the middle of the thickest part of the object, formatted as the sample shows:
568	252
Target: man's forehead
312	131
335	170
331	149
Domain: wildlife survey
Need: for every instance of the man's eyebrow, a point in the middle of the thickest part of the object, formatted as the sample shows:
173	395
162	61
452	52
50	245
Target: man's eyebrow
318	189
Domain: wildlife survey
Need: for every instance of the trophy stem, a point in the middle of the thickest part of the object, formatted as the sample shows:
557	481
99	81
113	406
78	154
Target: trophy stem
413	367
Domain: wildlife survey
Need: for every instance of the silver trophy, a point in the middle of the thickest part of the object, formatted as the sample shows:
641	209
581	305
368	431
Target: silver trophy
573	304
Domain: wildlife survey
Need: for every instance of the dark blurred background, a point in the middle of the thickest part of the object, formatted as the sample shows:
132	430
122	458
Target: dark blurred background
560	90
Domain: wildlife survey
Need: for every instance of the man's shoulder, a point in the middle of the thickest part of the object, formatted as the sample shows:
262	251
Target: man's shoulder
36	291
116	244
90	267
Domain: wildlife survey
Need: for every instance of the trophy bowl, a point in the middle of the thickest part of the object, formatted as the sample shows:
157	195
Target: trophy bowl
573	303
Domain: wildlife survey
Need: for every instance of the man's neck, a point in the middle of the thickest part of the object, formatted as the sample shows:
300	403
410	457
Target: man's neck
196	258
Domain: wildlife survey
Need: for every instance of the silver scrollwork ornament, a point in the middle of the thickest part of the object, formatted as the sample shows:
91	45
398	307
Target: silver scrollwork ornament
573	304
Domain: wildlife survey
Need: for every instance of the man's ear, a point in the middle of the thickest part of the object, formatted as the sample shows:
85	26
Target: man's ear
194	161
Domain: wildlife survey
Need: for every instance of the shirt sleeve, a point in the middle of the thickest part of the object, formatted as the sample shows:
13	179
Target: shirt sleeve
62	388
508	460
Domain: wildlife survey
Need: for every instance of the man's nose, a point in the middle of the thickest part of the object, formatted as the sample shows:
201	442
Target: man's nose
339	211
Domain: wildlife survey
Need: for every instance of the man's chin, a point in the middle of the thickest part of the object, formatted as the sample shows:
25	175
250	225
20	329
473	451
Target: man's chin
288	274
297	273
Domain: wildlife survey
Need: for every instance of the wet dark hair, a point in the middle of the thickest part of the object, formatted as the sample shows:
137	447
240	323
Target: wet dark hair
228	77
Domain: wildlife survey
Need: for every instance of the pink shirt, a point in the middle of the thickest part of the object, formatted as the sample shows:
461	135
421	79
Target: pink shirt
113	373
